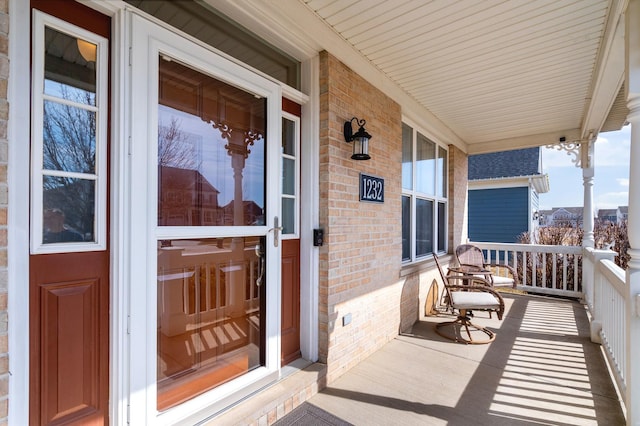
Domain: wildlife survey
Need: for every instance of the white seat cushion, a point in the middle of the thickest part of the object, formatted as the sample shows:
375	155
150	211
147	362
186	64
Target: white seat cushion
474	300
498	280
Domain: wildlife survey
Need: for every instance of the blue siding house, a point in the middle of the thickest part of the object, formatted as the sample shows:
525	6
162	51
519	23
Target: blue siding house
503	194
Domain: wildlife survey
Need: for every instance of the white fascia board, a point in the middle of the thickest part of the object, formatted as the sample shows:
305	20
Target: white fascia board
609	73
497	183
294	28
540	183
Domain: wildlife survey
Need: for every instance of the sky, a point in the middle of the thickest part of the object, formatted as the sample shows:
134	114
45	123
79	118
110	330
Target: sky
611	180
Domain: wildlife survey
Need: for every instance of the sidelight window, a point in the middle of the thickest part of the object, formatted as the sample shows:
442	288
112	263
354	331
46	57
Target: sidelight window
290	155
69	138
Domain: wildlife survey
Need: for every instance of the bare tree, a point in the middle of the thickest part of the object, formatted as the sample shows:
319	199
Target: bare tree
174	147
69	145
69	134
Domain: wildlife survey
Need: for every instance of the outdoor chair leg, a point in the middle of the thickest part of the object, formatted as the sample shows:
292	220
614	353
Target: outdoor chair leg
464	321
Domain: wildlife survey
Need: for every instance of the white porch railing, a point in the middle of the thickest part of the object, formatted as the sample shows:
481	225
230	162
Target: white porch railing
553	270
605	295
588	274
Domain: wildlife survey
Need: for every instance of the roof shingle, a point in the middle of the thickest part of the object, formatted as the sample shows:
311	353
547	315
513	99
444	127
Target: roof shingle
519	162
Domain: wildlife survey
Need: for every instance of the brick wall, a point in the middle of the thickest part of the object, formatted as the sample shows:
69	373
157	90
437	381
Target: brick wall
458	185
360	262
4	153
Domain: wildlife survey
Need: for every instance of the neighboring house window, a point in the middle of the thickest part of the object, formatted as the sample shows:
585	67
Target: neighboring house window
424	195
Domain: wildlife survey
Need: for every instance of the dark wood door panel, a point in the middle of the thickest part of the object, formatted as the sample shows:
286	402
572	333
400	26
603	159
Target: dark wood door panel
69	338
70	332
290	321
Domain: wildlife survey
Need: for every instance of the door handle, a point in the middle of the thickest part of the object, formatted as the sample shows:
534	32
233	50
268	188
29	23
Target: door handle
260	256
276	231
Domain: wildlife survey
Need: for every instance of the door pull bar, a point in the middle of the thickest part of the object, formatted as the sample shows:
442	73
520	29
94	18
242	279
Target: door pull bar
276	231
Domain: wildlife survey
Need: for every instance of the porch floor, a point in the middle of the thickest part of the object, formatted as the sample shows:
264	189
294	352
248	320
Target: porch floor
541	369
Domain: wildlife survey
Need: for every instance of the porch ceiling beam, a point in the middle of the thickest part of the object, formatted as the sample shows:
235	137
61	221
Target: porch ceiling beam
293	27
609	71
529	141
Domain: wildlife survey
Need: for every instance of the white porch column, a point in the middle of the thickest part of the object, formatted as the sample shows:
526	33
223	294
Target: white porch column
586	152
632	41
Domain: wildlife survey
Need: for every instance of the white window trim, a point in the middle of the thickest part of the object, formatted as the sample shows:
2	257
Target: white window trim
40	21
18	221
296	195
414	194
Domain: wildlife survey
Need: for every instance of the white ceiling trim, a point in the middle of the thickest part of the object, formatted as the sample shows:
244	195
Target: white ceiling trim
529	141
482	75
306	32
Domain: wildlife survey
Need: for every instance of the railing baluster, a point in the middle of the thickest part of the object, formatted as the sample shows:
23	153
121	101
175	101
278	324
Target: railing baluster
564	270
197	294
185	290
534	268
554	270
524	268
208	287
219	303
576	272
544	270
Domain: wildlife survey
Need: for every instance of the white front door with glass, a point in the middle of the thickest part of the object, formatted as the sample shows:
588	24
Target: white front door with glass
205	259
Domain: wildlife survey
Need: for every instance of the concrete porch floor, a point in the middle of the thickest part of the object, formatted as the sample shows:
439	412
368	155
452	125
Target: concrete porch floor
541	369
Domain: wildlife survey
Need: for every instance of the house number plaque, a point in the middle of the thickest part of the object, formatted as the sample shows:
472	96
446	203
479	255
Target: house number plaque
371	188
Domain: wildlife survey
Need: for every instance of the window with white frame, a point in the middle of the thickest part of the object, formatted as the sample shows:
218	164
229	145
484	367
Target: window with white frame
290	154
69	138
424	196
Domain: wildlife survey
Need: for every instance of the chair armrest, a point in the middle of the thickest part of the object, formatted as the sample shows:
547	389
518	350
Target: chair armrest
509	268
468	281
477	288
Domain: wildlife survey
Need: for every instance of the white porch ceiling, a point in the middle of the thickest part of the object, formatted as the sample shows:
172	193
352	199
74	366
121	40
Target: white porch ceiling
486	75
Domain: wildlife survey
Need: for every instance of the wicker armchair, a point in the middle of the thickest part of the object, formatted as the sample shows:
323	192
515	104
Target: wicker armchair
471	256
467	293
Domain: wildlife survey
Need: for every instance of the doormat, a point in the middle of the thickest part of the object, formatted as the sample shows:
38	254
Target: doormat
309	415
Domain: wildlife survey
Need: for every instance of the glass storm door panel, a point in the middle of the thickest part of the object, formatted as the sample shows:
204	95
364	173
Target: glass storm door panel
204	232
211	173
211	151
210	322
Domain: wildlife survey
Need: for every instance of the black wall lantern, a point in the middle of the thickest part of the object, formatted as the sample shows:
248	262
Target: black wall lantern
360	139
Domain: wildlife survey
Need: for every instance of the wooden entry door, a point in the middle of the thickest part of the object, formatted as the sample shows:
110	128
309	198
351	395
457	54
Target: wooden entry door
290	270
69	256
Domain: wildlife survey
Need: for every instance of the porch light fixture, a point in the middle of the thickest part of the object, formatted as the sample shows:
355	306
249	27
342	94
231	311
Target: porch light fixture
360	139
87	50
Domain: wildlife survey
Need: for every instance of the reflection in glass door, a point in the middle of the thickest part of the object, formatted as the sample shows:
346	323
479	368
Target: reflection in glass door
211	174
